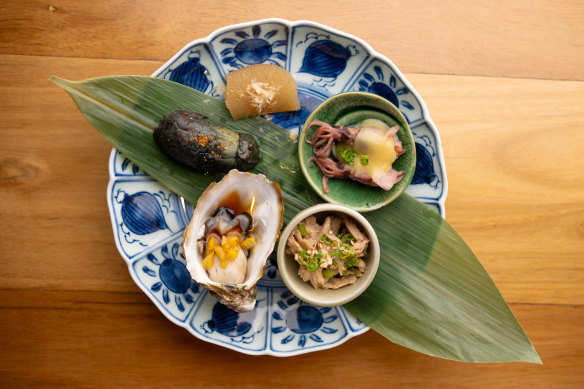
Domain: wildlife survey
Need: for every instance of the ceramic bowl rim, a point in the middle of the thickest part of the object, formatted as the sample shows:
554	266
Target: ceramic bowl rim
312	296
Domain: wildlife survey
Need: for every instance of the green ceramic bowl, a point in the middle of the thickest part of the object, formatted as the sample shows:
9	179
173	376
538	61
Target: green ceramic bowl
346	109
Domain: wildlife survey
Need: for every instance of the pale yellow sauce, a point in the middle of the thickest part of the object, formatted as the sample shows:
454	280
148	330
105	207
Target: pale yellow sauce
380	151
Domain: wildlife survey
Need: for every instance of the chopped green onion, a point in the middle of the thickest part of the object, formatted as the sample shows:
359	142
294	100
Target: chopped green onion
302	230
334	243
349	256
354	261
345	272
345	246
303	257
338	236
347	238
312	266
335	263
328	273
325	239
349	156
364	159
333	253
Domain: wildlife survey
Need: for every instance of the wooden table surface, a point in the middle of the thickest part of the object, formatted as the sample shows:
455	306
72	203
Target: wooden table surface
504	83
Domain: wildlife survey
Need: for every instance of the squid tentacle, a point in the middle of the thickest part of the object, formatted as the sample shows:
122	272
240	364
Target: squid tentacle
322	139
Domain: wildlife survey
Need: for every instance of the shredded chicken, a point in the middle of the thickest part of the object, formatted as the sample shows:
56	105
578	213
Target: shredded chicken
293	244
330	254
360	248
335	225
336	282
354	230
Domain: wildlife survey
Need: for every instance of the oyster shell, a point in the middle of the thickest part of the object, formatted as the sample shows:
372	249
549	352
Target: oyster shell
263	200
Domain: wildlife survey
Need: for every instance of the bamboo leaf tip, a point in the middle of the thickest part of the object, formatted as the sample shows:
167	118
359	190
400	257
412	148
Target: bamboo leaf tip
58	81
535	358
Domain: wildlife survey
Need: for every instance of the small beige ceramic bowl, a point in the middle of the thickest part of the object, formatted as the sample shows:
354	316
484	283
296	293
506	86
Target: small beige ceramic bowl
327	297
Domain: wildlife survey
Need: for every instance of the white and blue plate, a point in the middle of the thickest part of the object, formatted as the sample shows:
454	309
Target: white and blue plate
148	220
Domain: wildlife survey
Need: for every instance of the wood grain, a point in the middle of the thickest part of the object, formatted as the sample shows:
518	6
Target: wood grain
508	180
70	315
526	38
514	153
88	339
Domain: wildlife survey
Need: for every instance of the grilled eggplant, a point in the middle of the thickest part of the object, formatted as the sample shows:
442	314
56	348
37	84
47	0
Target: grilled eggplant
195	141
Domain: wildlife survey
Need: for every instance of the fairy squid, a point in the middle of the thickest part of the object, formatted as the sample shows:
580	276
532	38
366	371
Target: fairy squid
372	139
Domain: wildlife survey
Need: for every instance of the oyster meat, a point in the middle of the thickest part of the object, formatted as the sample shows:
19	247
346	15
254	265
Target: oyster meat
234	228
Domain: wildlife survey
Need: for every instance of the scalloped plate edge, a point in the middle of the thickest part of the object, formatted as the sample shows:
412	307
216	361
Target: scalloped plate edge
374	54
113	178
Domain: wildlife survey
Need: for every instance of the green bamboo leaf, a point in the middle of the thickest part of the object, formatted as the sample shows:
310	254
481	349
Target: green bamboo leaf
431	293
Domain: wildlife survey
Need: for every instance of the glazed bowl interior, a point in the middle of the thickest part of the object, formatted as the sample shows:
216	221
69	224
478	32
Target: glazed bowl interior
288	267
349	109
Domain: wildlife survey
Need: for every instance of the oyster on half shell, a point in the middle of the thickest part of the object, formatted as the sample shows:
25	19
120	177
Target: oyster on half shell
244	194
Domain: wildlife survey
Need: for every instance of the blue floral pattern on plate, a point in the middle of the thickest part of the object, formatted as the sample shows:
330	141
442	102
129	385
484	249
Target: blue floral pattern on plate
148	221
164	274
380	78
251	44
